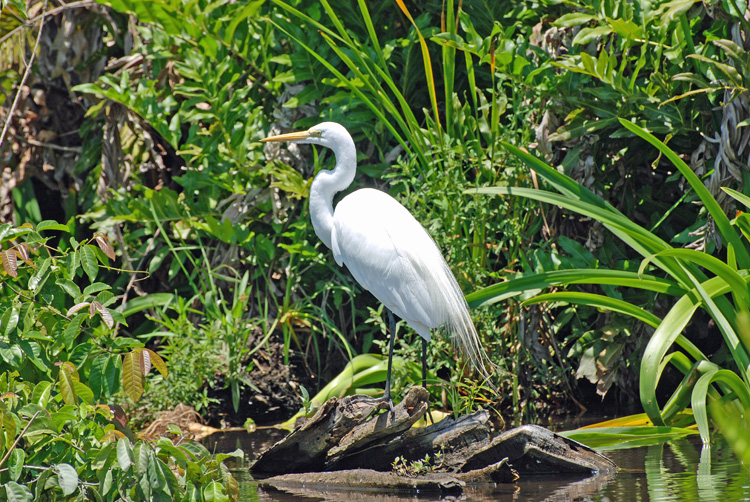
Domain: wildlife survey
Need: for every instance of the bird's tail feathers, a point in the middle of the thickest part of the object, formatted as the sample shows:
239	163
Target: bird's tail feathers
460	329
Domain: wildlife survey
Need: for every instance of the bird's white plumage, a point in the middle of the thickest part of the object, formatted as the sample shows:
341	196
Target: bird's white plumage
386	250
391	255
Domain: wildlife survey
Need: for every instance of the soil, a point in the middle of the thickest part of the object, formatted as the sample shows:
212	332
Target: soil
275	397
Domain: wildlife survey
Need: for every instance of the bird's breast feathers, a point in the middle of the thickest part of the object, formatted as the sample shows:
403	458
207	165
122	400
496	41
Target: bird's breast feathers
390	254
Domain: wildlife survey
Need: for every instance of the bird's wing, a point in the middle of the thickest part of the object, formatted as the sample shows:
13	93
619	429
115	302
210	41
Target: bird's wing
391	255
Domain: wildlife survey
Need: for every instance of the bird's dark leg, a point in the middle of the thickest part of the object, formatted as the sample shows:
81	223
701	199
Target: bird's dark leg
424	374
424	363
392	327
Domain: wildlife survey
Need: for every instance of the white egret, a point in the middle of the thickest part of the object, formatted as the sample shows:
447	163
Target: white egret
386	250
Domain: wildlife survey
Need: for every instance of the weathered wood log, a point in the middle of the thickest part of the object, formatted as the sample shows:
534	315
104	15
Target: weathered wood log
532	449
366	479
344	437
454	439
338	425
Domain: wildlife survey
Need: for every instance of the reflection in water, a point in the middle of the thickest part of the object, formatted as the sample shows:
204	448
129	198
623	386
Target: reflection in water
680	470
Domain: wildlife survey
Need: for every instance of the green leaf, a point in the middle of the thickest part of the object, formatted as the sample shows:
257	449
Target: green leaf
67	386
10	317
214	492
72	330
17	493
598	301
89	262
95	288
85	393
587	35
67	478
728	234
573	19
52	225
39	276
124	454
15	463
41	393
70	287
141	303
103	376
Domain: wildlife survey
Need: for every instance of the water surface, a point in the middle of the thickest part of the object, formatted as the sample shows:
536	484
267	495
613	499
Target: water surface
679	470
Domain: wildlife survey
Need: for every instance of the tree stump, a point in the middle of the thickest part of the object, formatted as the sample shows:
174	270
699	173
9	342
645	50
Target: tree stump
347	435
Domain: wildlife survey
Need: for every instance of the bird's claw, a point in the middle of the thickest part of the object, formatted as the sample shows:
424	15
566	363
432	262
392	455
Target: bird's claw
385	404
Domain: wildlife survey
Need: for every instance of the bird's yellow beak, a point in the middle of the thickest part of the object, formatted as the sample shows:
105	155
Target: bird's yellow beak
290	136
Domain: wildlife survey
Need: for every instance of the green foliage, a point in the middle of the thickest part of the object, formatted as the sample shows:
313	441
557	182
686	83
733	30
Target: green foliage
705	381
418	467
62	361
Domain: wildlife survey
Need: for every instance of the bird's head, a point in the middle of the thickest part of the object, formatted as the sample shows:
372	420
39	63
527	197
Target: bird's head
328	134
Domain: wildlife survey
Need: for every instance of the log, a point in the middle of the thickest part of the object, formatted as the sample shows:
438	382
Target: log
346	444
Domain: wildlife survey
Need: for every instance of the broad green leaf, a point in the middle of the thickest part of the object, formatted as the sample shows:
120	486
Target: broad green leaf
89	262
95	288
15	463
67	477
41	393
124	454
214	492
39	276
84	392
70	287
573	19
587	35
52	225
17	493
141	303
72	330
10	317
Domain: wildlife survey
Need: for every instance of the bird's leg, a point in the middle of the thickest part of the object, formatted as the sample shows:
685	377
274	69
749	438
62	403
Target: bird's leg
424	363
392	327
424	374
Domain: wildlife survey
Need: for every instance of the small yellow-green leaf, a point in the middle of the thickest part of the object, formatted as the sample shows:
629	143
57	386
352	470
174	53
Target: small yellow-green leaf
157	361
67	387
132	376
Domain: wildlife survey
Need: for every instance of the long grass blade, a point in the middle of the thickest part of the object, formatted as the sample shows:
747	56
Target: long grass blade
641	240
728	234
598	301
519	285
429	76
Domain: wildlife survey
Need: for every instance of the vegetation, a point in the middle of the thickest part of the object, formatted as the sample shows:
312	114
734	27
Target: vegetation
62	362
615	131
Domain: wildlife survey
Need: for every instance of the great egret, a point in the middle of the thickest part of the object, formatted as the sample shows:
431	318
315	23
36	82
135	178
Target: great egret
386	250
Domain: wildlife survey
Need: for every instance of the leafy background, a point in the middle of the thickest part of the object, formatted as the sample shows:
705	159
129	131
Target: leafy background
133	168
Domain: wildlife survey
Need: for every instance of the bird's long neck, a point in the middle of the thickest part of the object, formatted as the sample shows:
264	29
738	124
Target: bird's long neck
326	184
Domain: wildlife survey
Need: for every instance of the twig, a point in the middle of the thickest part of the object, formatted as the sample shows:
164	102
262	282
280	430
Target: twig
52	146
9	117
5	458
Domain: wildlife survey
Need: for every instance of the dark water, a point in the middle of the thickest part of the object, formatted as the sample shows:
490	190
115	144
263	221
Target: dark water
678	470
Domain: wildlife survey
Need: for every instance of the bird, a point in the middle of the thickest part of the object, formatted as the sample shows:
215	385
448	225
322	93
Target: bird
387	251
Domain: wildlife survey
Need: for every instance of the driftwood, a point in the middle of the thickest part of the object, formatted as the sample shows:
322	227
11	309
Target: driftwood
346	436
